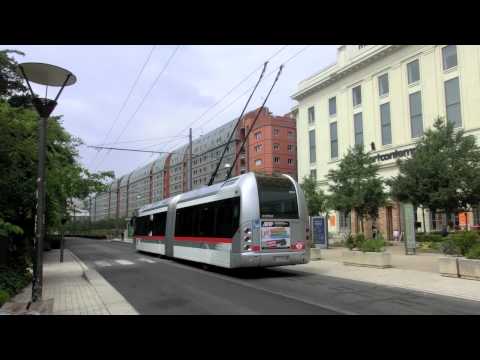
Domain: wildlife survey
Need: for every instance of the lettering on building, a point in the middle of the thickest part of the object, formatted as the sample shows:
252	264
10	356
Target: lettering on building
394	154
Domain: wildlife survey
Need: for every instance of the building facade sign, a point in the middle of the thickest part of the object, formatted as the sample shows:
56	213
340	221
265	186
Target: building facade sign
394	155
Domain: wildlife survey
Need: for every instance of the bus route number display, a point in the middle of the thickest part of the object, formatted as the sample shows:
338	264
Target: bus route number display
275	235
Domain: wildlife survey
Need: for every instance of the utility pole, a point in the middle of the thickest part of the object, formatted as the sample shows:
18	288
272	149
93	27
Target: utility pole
117	203
190	182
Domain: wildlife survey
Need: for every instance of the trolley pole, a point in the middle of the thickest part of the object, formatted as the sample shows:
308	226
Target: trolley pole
190	182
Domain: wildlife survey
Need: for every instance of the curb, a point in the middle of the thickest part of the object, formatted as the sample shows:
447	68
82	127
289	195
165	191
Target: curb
113	301
122	241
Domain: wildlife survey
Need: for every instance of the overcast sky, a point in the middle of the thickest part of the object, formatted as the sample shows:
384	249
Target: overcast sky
195	79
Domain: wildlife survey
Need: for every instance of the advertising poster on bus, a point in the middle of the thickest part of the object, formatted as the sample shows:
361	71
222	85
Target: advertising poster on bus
275	235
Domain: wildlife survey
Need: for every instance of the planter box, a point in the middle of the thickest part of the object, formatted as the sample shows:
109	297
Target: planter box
448	266
371	259
469	268
315	254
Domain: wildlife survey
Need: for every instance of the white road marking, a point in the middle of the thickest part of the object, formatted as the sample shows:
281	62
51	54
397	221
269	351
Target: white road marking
124	262
150	261
102	263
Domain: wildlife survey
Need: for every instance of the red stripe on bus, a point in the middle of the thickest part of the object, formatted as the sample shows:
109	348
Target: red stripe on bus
204	239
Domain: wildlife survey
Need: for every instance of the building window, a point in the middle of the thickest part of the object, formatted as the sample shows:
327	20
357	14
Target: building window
449	56
258	135
276	159
290	147
258	162
416	121
290	133
386	124
333	141
311	115
276	132
258	148
358	125
313	174
383	85
343	220
290	161
276	146
413	72
452	101
357	95
332	106
311	140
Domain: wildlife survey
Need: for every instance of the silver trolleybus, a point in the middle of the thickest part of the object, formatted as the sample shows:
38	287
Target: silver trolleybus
247	221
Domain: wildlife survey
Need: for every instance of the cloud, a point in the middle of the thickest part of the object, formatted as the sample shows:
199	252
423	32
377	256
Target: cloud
197	77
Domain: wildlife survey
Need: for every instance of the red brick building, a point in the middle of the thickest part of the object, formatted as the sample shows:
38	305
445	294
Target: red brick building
272	144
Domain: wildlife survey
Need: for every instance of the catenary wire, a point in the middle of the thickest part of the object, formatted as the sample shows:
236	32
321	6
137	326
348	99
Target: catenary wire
142	101
125	101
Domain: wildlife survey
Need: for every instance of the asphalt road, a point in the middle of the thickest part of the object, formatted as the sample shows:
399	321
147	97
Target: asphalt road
157	285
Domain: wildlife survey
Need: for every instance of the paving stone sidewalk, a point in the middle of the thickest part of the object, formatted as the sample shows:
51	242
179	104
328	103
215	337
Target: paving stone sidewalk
75	289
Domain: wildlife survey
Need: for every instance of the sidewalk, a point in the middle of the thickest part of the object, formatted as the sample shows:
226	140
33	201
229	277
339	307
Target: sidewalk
75	289
413	272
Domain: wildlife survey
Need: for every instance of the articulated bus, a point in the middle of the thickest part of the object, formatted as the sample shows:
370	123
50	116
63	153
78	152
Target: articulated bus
251	220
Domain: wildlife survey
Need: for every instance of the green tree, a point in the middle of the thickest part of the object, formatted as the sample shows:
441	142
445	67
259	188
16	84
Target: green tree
66	177
355	185
12	87
444	172
316	198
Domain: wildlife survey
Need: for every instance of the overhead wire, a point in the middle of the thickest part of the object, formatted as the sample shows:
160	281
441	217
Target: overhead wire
274	71
229	92
142	101
143	140
125	101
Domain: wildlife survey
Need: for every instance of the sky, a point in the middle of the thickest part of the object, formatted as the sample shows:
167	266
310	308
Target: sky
179	87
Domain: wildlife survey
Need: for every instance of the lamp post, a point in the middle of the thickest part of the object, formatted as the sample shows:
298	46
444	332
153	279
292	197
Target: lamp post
47	75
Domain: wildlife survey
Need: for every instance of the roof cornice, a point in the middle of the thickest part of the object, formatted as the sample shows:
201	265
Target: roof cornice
332	74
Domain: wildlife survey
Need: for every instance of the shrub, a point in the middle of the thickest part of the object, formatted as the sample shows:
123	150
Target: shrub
350	242
449	247
359	240
429	245
432	238
464	241
4	296
474	252
372	245
13	280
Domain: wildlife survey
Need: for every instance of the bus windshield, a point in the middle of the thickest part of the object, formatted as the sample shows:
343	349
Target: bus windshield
278	198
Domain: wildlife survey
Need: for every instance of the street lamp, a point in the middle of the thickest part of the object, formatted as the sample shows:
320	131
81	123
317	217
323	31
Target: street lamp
48	75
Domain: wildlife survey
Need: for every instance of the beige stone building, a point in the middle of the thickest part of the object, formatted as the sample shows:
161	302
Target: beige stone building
385	97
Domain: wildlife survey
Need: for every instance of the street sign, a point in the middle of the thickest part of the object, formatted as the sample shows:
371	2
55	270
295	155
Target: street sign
319	231
408	228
